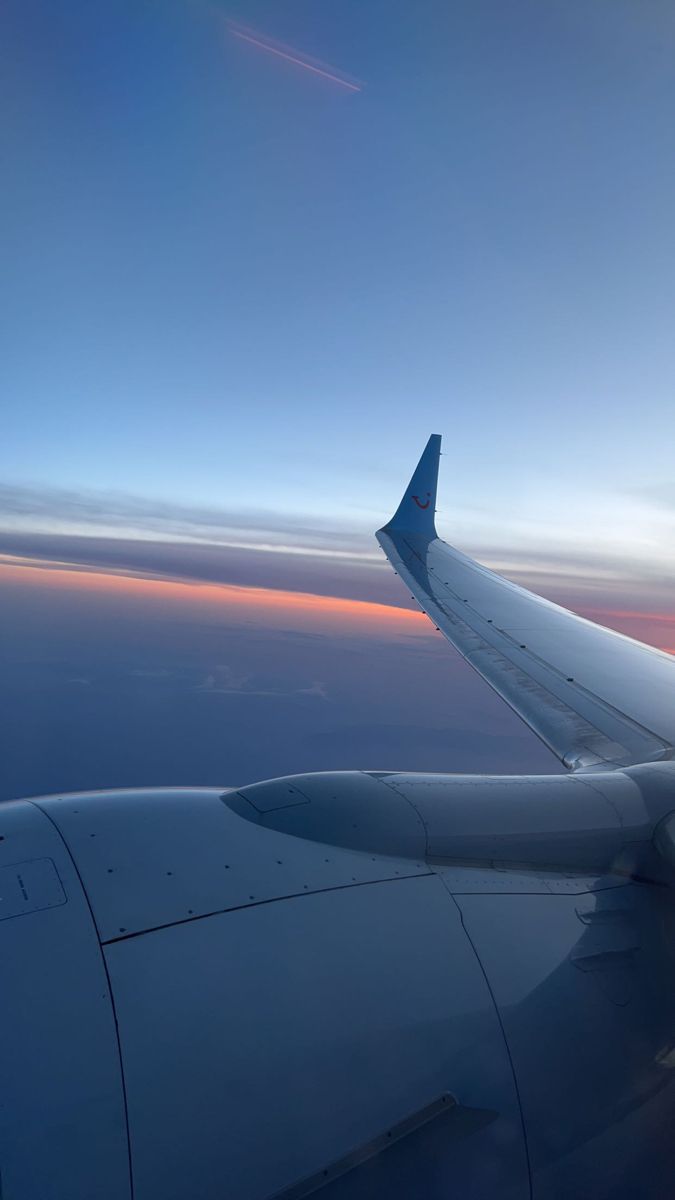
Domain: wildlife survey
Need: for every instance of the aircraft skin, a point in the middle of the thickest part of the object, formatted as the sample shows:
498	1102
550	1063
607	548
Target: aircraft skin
363	984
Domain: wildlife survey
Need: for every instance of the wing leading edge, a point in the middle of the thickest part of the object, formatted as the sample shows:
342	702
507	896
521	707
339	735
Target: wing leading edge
597	699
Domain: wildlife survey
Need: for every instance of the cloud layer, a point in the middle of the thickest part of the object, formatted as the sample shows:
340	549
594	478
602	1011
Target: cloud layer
224	648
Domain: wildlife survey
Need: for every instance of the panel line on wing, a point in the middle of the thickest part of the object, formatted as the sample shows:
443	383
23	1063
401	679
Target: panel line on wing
581	727
459	1120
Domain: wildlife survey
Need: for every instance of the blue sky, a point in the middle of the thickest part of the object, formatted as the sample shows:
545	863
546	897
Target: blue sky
238	296
228	281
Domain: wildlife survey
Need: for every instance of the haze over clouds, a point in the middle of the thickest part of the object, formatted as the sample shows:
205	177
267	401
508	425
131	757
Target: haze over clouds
205	646
111	680
132	661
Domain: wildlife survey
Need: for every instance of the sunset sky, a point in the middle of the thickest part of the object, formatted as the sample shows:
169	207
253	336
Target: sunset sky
253	255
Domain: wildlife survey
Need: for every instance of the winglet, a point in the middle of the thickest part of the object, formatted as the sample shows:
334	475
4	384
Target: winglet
415	513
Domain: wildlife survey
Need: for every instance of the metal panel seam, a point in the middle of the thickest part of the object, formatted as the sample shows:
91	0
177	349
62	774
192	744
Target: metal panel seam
110	990
218	912
501	1026
392	788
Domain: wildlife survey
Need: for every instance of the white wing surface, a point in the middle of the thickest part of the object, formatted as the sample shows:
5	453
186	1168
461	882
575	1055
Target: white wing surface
595	697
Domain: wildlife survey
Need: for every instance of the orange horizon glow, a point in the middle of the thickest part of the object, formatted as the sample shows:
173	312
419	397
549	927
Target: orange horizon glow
628	614
624	621
300	609
275	607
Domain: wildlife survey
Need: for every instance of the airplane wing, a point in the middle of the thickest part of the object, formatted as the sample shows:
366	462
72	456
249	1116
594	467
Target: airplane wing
597	699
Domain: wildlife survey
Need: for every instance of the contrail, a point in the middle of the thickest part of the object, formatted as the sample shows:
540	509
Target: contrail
291	57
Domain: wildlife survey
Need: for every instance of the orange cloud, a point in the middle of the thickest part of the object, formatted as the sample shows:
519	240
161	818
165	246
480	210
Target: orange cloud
646	626
626	614
261	606
128	592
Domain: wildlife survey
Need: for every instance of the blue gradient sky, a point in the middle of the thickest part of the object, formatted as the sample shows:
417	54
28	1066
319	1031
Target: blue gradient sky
228	281
237	297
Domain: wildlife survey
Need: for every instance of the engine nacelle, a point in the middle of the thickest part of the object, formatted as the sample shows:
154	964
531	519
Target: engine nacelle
350	984
600	822
221	1009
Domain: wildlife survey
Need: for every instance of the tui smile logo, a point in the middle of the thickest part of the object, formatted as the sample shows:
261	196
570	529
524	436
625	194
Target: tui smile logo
426	503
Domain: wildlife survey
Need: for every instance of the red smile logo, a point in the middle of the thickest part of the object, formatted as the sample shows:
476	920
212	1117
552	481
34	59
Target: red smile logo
419	503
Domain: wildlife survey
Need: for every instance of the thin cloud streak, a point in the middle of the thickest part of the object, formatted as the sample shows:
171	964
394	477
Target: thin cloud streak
623	595
262	42
624	614
33	509
540	551
320	611
265	606
354	579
